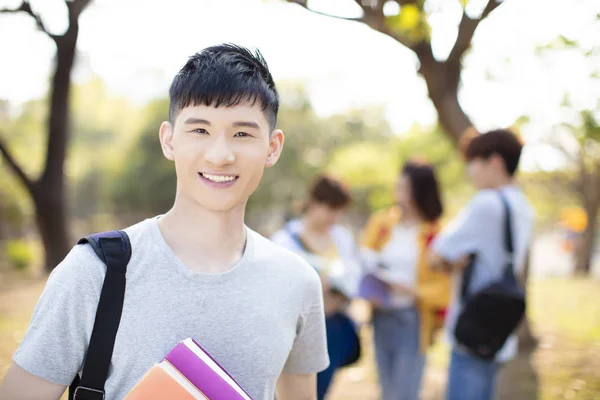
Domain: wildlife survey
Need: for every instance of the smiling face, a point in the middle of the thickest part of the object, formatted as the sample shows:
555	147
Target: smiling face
220	153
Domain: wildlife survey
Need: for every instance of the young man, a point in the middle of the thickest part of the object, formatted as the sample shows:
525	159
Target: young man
479	229
196	271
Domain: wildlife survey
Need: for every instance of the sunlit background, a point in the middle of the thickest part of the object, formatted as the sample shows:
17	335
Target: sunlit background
354	104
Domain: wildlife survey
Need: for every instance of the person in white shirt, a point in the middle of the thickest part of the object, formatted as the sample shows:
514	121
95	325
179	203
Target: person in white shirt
479	229
331	250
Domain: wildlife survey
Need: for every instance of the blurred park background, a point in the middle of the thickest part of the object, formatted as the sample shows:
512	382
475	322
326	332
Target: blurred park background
364	85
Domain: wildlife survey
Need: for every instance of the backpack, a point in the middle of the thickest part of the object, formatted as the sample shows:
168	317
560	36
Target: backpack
489	316
114	249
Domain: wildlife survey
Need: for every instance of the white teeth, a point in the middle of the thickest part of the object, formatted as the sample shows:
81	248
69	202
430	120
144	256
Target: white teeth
219	178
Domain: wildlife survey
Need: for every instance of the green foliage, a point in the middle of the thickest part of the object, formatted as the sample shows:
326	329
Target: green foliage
103	125
116	166
549	193
14	209
410	22
310	142
143	181
372	168
25	135
18	253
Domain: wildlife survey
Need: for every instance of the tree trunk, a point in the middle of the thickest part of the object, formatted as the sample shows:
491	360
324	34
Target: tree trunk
442	79
48	192
585	250
49	195
52	225
526	339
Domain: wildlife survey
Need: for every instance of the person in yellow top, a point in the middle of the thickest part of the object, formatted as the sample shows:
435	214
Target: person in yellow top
408	299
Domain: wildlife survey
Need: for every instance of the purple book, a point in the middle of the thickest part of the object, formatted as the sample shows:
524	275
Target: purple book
374	289
204	372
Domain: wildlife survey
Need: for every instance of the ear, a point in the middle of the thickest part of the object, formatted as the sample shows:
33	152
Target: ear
275	147
166	139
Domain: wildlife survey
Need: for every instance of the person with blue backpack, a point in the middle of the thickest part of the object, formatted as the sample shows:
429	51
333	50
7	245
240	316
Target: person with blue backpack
330	248
485	247
120	301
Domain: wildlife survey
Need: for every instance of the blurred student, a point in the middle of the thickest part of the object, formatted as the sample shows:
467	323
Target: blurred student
480	230
330	248
410	301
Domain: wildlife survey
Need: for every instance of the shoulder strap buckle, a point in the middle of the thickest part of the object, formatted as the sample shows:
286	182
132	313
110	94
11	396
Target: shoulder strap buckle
86	393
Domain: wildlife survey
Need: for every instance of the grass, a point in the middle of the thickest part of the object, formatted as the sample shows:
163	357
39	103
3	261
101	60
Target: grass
565	316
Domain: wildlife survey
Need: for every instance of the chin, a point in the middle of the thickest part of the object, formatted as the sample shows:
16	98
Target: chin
219	207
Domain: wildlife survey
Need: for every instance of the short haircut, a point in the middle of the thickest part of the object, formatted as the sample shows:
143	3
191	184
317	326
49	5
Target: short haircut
501	142
225	75
330	191
425	189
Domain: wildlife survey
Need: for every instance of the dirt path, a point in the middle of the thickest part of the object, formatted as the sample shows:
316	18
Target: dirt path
16	305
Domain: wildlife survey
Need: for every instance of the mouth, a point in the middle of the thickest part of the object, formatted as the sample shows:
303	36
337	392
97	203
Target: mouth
218	180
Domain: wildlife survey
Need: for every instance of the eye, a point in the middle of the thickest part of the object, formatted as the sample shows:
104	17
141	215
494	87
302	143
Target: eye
241	134
200	131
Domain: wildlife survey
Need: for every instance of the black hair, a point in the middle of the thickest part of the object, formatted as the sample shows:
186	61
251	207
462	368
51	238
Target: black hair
224	75
330	191
425	189
501	142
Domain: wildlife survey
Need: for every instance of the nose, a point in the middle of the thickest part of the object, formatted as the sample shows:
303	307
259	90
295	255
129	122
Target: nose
219	153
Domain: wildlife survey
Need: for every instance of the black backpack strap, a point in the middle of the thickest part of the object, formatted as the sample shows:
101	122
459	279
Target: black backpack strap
509	272
114	249
466	278
508	245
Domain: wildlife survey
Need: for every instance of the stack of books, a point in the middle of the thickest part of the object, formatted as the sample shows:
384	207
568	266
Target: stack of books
188	372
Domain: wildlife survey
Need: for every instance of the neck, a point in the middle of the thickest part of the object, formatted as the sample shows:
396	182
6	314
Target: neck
501	181
204	240
410	216
312	226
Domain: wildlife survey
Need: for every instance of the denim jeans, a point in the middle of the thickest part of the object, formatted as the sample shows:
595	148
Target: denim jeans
471	378
400	364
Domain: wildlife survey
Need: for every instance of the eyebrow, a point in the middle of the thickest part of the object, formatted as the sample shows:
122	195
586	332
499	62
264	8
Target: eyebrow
196	121
246	124
238	124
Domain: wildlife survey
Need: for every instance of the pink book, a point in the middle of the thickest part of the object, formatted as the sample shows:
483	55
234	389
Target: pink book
204	372
163	381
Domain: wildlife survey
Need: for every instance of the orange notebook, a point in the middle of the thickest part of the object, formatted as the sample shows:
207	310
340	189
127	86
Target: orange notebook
163	381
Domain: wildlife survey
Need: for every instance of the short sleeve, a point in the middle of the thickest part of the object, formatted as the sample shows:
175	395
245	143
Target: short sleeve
55	343
464	234
309	351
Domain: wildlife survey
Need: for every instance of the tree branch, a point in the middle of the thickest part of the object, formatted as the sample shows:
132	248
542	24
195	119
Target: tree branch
303	3
76	7
26	8
466	30
556	144
15	168
373	18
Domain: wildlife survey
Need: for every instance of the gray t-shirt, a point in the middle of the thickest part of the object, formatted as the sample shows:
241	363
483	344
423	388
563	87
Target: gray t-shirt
261	318
480	229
